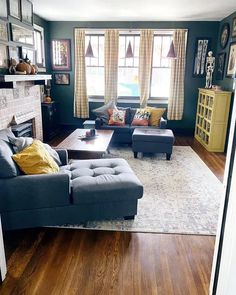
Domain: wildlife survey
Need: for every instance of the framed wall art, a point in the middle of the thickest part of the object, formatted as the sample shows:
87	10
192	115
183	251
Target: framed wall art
231	66
61	79
22	35
3	56
14	8
14	53
224	35
27	12
3	9
234	27
29	52
3	31
220	66
60	54
202	46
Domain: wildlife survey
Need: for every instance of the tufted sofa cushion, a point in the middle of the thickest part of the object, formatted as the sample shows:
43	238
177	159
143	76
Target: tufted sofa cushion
102	180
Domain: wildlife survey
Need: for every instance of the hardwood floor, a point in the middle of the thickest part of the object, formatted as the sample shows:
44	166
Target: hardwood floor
63	261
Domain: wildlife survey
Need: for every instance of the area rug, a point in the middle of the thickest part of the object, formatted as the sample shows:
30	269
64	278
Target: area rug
180	196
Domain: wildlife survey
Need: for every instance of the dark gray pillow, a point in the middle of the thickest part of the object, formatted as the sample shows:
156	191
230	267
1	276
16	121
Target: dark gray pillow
7	165
102	112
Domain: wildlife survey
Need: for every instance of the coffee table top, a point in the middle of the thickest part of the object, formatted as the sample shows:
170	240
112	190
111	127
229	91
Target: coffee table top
98	144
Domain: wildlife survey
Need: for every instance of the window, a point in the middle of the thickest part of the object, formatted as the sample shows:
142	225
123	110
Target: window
128	67
160	78
95	65
39	47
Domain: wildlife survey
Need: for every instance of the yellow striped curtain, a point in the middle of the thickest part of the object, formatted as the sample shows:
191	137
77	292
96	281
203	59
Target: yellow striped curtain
81	106
111	56
145	64
176	99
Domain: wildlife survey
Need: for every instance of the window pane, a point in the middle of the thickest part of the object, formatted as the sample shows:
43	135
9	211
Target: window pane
160	86
128	82
166	40
38	47
157	51
95	80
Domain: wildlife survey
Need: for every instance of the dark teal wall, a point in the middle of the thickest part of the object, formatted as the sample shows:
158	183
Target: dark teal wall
64	94
226	83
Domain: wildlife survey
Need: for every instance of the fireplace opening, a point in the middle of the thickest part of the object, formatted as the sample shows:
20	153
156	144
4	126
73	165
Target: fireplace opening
23	130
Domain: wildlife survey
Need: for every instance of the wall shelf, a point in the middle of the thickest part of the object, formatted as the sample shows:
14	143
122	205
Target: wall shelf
9	81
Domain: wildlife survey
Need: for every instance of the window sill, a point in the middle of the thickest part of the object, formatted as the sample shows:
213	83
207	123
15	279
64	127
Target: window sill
132	101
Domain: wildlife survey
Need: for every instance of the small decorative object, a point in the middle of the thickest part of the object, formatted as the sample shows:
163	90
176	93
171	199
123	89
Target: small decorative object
89	51
14	8
22	35
234	27
231	67
224	35
62	79
3	56
23	67
3	9
60	51
27	12
12	67
36	69
210	66
171	53
14	53
47	98
216	87
29	52
220	66
3	31
200	54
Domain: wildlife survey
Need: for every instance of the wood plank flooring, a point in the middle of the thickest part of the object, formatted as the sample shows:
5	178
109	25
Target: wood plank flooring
63	261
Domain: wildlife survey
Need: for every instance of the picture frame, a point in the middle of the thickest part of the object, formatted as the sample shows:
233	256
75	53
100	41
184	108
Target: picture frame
14	9
224	35
14	53
3	9
22	35
220	66
27	12
62	79
234	27
3	56
3	31
202	46
29	52
60	55
231	65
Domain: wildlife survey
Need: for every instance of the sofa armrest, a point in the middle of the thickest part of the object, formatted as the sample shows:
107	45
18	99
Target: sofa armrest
34	191
163	123
63	155
98	123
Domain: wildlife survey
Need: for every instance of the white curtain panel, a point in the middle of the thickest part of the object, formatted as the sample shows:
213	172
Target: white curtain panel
111	64
145	64
81	106
176	99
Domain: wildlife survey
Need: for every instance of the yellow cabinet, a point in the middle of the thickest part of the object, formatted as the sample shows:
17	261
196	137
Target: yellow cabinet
212	118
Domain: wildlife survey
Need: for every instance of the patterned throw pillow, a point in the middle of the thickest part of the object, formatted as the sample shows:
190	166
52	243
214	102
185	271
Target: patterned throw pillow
117	117
156	114
141	117
102	112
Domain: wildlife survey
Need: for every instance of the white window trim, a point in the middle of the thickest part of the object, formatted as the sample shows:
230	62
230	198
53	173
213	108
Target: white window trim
41	30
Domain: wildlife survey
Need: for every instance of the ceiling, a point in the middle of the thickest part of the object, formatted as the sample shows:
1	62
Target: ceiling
134	10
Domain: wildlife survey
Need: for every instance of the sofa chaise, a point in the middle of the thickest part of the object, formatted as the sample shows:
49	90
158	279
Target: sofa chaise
83	190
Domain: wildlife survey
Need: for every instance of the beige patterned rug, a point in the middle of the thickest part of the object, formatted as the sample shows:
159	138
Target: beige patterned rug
180	196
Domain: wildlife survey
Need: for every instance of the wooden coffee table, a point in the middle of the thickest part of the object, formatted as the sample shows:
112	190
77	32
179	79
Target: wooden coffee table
86	149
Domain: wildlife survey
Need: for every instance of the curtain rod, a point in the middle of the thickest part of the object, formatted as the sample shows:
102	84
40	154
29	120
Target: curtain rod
129	29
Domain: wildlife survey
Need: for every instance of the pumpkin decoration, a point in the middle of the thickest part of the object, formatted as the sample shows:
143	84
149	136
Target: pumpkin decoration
23	67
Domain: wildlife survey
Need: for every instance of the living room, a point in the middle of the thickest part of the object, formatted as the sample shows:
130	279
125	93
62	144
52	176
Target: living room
139	111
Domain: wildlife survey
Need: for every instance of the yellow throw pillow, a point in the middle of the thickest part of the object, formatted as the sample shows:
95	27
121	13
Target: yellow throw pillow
35	159
156	114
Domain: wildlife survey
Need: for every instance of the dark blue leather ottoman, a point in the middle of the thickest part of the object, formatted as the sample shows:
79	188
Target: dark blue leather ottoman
153	141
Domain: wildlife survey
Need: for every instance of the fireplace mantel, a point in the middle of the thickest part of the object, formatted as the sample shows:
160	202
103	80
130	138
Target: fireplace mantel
9	81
